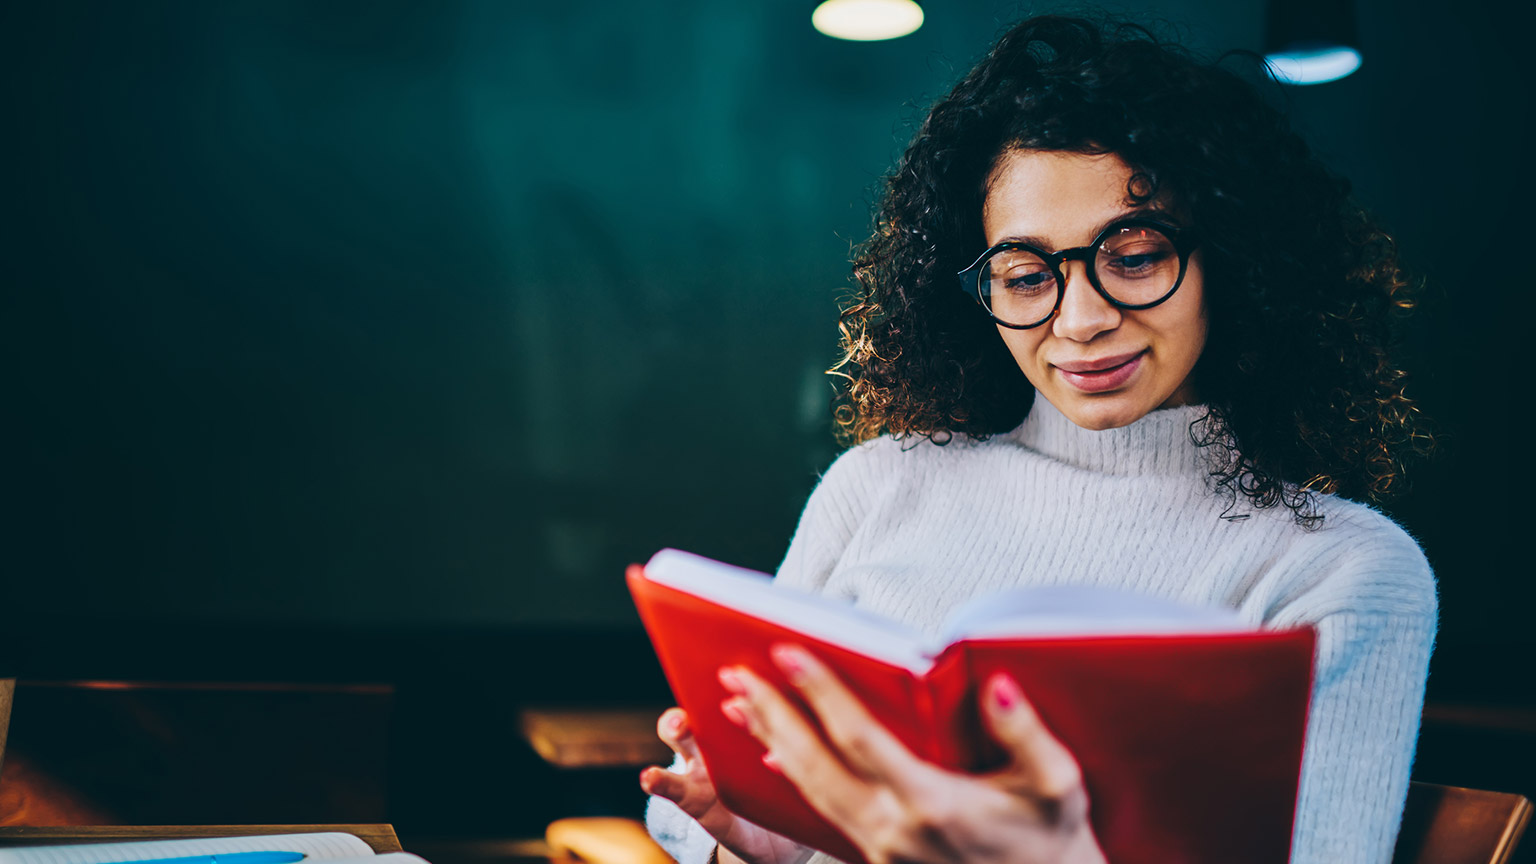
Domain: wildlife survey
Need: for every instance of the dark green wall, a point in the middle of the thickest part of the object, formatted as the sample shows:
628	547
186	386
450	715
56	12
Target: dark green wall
440	313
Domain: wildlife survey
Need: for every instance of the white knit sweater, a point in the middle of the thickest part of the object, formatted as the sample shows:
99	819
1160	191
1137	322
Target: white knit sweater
909	529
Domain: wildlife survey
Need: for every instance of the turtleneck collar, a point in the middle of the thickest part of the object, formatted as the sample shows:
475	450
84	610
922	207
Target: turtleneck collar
1158	443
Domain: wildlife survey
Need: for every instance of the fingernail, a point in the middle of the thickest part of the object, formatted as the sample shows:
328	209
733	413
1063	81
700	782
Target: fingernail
1005	692
771	762
730	680
645	785
790	660
733	712
675	722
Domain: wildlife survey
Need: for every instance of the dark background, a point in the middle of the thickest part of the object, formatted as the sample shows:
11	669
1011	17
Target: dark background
354	341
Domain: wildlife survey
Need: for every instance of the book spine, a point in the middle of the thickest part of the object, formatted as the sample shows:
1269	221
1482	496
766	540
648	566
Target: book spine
932	746
948	711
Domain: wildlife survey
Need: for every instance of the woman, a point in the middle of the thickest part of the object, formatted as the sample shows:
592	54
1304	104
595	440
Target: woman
1163	368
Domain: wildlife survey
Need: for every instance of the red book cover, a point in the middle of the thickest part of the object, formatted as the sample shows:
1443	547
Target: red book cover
1190	743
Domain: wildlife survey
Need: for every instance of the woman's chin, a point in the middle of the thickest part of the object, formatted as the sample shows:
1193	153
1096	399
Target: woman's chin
1100	411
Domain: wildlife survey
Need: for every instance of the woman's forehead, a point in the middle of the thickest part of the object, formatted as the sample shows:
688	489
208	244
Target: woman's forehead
1053	198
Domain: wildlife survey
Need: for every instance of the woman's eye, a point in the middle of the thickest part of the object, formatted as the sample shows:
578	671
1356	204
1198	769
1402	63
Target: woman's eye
1131	265
1028	282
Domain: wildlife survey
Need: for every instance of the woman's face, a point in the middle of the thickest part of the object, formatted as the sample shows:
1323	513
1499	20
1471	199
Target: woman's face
1101	366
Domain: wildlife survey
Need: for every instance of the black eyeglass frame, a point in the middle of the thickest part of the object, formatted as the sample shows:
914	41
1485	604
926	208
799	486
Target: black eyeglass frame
1184	240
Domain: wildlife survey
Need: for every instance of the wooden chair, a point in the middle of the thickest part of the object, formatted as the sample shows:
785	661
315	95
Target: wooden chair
381	837
7	691
1451	825
87	741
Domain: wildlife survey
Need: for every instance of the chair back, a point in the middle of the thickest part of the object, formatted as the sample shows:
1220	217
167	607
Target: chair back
7	690
1451	825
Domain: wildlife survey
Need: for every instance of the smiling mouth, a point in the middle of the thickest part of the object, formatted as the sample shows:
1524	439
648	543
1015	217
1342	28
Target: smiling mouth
1099	367
1112	373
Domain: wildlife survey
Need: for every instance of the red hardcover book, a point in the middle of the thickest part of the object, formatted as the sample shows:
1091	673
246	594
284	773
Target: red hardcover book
1187	725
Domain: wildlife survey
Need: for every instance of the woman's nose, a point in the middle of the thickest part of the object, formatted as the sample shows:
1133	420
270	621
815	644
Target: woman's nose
1084	314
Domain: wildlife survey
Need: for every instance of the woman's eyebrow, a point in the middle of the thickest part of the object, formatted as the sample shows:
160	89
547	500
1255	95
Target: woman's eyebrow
1155	213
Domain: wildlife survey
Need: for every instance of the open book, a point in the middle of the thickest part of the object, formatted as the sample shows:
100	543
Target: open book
1188	725
332	847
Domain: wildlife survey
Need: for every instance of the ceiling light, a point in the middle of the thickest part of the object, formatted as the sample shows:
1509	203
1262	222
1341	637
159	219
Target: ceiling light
1312	67
867	20
1311	41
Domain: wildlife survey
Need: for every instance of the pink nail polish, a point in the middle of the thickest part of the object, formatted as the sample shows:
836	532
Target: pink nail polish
771	762
730	680
789	661
733	712
1005	692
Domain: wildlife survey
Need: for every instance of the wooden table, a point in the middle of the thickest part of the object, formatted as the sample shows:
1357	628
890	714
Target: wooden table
380	837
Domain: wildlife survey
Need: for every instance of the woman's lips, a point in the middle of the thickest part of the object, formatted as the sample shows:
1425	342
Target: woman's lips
1100	380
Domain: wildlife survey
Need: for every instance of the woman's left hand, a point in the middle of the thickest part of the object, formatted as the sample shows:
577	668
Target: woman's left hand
898	808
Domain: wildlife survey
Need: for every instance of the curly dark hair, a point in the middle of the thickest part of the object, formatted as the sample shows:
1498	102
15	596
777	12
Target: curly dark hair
1301	286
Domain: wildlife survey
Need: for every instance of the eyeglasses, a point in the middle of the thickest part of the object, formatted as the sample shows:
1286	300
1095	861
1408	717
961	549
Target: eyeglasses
1133	264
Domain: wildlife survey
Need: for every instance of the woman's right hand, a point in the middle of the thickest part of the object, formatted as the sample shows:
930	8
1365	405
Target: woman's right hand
694	793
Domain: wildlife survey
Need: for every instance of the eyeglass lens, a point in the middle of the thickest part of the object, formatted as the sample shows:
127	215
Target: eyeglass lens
1135	265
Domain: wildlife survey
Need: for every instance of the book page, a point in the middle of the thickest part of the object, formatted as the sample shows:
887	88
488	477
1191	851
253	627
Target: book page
1082	610
820	617
385	858
330	845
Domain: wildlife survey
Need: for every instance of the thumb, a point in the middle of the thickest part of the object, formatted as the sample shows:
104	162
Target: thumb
673	729
1040	766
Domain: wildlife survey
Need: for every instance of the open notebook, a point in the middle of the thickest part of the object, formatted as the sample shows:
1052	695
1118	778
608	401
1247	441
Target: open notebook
331	847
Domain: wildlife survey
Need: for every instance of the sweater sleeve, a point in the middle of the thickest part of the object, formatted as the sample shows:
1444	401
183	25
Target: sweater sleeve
676	831
1375	621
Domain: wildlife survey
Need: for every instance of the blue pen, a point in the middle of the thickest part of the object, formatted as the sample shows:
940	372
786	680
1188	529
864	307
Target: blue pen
259	857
